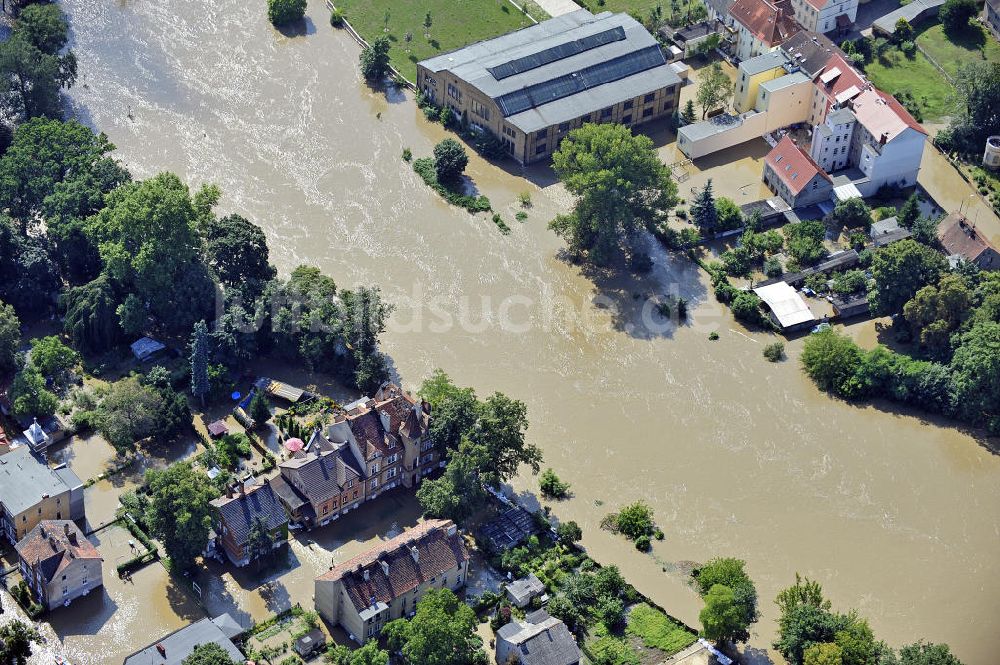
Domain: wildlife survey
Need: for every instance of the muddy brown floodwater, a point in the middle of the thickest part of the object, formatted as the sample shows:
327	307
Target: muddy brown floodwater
896	516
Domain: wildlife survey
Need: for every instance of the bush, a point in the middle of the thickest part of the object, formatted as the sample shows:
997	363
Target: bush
551	486
773	267
524	198
774	352
374	59
633	521
569	533
642	544
713	336
407	155
424	167
283	12
520	215
450	160
337	18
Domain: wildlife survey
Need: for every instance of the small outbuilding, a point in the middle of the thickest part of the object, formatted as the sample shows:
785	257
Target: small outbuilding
310	643
147	348
521	592
787	307
218	429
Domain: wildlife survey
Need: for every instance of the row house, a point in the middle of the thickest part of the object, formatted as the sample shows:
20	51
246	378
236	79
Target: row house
239	511
825	16
385	583
761	26
374	445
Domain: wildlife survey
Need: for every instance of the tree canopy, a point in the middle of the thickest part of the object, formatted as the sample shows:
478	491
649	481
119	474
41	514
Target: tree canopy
731	574
179	512
32	70
16	637
443	632
900	270
209	654
714	88
621	187
236	250
285	12
450	160
375	59
10	336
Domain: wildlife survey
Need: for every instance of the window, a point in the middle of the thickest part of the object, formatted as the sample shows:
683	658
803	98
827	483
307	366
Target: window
648	98
374	483
627	119
540	136
585	118
563	126
629	104
391	473
666	106
454	93
427	445
355	494
326	509
605	113
374	469
350	484
540	149
647	113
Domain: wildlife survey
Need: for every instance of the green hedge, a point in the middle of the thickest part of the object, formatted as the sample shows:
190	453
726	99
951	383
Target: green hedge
424	167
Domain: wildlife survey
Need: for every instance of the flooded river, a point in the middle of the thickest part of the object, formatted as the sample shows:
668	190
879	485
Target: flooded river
896	516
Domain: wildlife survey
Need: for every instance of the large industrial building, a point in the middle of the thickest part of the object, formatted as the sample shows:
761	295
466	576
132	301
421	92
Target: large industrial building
532	86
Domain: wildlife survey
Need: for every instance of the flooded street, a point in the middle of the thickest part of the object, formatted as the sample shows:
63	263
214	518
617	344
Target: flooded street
896	516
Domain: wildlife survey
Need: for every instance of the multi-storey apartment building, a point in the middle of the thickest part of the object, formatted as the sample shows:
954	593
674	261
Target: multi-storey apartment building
531	87
59	563
30	492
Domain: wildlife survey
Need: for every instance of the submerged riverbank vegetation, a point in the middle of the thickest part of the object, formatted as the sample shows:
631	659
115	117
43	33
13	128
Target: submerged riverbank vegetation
444	173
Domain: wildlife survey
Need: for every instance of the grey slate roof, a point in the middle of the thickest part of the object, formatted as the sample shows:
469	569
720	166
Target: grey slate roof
562	68
240	512
546	642
178	645
323	475
24	479
810	51
912	12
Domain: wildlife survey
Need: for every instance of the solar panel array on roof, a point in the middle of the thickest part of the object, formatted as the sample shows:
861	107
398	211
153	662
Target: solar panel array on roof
558	52
585	79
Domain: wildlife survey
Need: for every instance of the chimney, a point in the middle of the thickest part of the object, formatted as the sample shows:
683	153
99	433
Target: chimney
243	489
385	567
229	491
415	553
884	138
162	649
367	575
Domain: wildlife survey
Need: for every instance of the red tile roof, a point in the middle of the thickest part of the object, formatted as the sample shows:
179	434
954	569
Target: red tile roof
770	22
54	545
439	548
957	236
846	77
793	165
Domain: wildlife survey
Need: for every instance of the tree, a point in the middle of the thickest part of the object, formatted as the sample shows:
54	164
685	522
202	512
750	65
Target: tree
927	653
704	212
937	310
955	14
728	214
10	337
977	88
900	270
620	185
831	359
285	12
236	251
805	241
199	361
150	248
450	160
551	486
635	520
903	32
129	412
29	397
714	88
259	408
375	59
52	357
721	617
803	592
731	573
16	637
499	437
975	369
369	654
688	115
31	73
91	320
852	213
459	491
428	22
443	632
910	212
569	533
179	512
209	654
454	410
823	654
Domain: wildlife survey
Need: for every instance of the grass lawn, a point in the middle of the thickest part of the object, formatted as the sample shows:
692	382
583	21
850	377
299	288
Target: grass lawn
896	73
454	23
640	7
657	630
951	52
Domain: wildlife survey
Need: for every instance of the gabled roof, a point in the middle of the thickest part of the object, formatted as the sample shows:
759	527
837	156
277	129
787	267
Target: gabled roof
172	649
240	512
793	166
25	480
959	237
883	116
53	546
840	76
770	22
321	475
392	569
541	640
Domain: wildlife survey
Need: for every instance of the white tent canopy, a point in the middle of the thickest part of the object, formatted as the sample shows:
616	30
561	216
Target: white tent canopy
787	306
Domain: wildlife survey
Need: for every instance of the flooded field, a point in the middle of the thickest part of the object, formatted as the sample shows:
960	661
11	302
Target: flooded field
897	516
